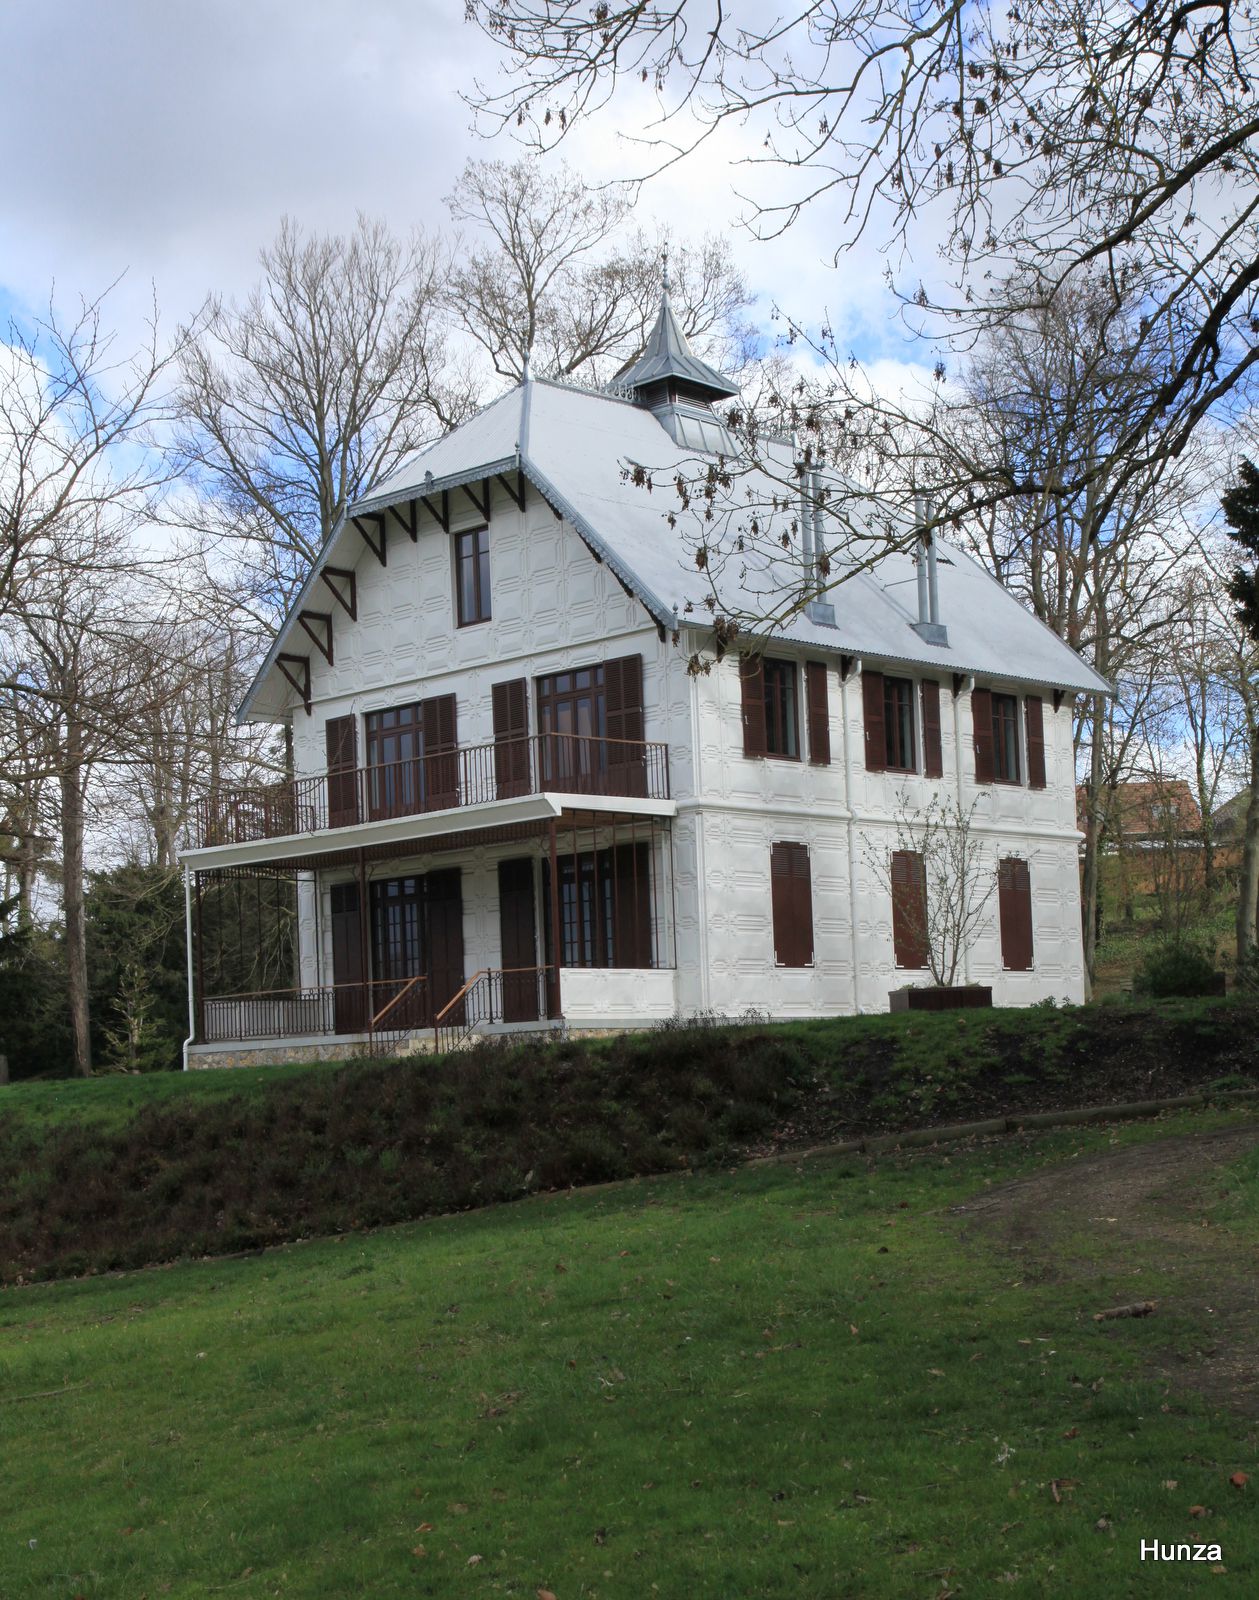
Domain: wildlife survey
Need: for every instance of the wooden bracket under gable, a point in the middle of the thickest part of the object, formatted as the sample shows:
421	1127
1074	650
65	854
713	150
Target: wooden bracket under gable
300	679
348	601
516	490
442	516
379	546
1059	696
483	504
315	623
409	516
959	678
845	667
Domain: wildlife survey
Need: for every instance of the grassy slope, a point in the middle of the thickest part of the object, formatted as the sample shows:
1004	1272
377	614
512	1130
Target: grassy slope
704	1387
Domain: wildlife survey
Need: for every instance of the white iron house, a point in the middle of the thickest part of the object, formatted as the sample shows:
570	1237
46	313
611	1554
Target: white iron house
514	806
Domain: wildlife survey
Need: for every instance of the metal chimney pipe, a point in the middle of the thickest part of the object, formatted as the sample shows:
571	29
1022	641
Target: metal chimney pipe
806	522
933	584
819	535
920	561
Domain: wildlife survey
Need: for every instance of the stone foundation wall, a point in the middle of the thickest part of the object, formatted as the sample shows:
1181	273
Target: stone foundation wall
276	1055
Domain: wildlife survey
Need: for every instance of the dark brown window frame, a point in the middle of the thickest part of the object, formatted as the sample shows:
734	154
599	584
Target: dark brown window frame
479	558
787	672
899	690
1005	739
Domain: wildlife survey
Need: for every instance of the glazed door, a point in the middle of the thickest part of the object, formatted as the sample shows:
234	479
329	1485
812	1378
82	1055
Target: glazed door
519	939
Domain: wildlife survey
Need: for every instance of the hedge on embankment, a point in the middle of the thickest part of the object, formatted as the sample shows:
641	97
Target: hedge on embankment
329	1150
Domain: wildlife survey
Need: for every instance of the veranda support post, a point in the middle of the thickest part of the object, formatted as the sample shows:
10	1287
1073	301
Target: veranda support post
553	977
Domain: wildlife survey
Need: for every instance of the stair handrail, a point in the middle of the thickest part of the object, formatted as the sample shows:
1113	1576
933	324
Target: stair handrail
388	1006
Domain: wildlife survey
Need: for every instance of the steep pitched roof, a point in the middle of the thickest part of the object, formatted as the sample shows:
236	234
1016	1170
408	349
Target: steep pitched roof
580	449
667	354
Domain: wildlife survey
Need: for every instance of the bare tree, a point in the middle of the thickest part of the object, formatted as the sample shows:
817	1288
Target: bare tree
334	369
78	421
1040	141
957	883
89	662
185	745
1207	664
553	269
1100	563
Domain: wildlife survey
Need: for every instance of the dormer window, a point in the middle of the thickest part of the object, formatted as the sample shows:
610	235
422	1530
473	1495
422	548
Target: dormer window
472	576
694	430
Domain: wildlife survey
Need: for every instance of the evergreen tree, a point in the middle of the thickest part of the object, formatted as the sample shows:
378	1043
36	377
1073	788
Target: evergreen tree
1241	511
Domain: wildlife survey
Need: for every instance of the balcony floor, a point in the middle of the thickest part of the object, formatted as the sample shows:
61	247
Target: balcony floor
460	827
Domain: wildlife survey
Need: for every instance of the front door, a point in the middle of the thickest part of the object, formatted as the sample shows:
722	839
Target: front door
519	940
349	996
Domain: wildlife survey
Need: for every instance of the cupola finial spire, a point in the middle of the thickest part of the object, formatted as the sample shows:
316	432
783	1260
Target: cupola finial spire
664	270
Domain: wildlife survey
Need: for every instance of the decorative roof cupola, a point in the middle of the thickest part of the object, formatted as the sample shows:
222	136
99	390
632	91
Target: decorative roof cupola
676	386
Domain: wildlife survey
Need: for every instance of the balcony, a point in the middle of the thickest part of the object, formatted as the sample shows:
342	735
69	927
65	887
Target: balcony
443	780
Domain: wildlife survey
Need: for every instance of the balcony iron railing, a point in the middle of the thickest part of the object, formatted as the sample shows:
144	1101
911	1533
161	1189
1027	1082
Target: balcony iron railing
439	780
342	1008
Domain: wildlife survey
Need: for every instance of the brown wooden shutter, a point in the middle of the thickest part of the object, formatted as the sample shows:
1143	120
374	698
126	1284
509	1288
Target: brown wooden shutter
510	702
752	677
876	732
341	746
438	719
1035	713
932	751
985	752
909	909
819	711
623	705
791	897
349	972
1014	904
518	940
443	918
631	900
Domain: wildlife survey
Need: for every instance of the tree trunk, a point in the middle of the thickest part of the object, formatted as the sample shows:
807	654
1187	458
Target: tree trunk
1092	849
1248	888
73	780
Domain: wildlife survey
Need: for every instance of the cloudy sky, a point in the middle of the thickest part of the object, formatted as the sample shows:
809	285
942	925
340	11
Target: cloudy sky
164	139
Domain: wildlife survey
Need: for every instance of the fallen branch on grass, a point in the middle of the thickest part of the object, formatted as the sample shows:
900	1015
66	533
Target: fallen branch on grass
1142	1308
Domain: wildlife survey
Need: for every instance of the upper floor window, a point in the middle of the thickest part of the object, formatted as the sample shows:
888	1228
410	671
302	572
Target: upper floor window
997	757
782	729
771	720
1005	738
472	576
898	724
890	735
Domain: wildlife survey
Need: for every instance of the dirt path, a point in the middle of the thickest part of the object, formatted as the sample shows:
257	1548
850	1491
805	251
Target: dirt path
1118	1214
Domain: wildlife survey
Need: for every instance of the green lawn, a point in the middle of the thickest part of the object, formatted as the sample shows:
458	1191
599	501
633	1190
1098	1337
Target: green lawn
813	1381
114	1098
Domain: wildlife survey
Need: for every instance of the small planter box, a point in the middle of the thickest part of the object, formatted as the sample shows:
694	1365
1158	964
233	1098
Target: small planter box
964	997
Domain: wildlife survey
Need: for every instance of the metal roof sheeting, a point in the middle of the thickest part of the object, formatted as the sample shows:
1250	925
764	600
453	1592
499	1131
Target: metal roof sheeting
580	450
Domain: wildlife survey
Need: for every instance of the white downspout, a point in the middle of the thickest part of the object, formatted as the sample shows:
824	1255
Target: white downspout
852	839
701	877
957	761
